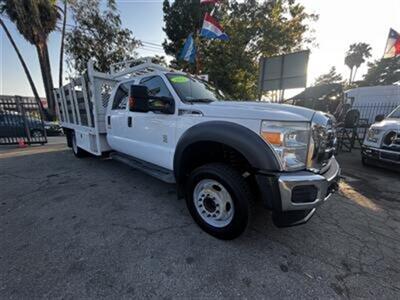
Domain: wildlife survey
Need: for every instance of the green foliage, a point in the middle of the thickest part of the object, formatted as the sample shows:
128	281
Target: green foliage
255	29
35	19
98	35
355	57
331	77
385	71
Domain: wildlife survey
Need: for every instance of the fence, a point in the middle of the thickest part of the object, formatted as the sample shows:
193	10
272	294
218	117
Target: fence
368	112
21	119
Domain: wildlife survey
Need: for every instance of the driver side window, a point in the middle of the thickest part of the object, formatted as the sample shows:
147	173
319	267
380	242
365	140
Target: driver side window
156	86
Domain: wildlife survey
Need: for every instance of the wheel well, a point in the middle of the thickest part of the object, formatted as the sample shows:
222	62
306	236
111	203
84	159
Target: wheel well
204	152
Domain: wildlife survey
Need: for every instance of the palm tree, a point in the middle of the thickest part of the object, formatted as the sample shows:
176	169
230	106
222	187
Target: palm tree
35	20
24	66
355	57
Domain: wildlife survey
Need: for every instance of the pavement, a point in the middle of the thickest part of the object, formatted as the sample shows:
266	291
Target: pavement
95	228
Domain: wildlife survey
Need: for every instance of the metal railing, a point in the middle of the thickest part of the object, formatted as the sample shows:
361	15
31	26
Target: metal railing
21	119
368	112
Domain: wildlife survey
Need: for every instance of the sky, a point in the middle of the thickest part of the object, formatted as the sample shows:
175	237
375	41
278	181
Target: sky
341	22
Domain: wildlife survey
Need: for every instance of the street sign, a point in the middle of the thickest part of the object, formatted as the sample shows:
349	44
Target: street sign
283	72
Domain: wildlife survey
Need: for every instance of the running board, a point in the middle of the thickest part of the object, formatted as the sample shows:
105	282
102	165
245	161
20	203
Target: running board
148	168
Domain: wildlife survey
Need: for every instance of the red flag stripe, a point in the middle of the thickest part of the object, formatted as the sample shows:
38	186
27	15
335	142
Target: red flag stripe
211	20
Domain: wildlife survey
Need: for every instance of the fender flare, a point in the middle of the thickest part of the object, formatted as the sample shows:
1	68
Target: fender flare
254	149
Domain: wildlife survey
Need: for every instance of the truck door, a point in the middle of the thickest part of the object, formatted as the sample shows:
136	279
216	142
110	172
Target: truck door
116	118
151	135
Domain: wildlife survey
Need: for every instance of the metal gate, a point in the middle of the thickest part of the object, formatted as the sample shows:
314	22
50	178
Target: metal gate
21	118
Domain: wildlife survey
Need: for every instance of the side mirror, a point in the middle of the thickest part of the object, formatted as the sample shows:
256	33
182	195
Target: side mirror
379	118
139	98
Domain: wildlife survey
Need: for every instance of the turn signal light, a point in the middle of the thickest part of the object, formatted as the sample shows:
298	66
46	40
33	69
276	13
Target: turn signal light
273	138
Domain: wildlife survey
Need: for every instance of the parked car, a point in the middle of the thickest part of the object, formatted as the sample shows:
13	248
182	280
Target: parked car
220	154
15	125
53	128
382	142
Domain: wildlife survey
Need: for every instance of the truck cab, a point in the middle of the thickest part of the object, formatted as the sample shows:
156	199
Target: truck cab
221	154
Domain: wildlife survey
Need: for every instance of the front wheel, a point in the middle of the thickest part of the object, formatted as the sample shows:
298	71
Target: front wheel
218	199
37	134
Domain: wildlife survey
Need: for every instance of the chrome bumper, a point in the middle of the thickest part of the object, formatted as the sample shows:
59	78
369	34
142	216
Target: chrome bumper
385	155
322	185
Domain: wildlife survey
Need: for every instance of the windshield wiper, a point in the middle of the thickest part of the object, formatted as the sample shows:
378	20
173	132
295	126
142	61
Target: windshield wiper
201	100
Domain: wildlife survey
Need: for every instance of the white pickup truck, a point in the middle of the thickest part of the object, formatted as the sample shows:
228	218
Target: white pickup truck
220	154
382	143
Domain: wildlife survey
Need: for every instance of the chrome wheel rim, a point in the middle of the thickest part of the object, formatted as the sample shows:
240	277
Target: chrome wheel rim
37	134
213	203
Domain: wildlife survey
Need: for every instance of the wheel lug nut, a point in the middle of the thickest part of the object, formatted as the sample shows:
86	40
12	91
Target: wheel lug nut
203	212
208	216
217	212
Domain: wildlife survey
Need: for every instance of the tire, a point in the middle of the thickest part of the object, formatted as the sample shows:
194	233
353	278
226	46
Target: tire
37	134
218	199
364	160
78	152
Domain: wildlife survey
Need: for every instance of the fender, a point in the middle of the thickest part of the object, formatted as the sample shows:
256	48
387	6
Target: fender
257	152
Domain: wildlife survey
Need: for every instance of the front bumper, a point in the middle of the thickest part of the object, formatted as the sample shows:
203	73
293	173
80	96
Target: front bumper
383	155
294	197
314	188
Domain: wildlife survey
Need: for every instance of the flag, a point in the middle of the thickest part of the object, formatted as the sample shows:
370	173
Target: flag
188	52
393	44
208	1
212	29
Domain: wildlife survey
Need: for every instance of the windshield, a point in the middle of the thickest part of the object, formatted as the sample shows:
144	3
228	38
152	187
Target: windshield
395	114
192	89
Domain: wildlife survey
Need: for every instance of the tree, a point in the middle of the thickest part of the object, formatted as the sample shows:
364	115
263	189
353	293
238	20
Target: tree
255	29
98	36
60	73
385	71
24	66
181	18
331	77
35	20
355	57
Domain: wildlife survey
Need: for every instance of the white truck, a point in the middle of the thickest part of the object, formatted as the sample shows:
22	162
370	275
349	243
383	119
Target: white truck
220	154
382	143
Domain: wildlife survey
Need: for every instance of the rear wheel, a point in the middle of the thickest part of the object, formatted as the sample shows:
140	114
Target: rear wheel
218	199
78	152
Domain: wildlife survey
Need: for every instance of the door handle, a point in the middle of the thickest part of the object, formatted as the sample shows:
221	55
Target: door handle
129	121
108	120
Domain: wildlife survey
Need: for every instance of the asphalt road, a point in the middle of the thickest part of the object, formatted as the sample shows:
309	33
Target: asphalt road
95	228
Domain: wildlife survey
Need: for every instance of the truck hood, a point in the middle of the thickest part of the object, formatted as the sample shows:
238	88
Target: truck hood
388	124
255	110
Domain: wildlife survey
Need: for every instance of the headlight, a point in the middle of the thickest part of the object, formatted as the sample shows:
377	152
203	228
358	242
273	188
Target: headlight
372	135
290	142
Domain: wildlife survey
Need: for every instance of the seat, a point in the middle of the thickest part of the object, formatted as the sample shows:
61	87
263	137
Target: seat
347	131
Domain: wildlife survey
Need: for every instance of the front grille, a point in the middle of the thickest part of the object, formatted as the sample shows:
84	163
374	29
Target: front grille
323	143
